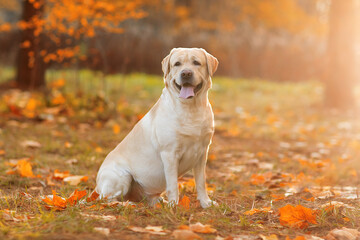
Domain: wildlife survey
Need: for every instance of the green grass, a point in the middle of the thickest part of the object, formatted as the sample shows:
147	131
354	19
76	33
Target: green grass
252	117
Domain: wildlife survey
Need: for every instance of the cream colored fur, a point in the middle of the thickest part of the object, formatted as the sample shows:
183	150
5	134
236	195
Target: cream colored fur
171	139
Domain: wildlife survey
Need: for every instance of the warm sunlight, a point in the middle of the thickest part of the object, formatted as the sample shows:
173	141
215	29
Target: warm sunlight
180	119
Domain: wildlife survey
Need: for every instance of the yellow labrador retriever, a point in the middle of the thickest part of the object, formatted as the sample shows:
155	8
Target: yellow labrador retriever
171	139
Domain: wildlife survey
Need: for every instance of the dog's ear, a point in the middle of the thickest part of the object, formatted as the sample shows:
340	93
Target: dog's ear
212	62
166	64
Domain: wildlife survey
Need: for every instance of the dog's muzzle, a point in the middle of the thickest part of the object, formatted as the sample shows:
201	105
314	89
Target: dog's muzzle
188	90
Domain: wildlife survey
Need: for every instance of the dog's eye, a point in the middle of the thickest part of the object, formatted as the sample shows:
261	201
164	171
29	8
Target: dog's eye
177	64
196	63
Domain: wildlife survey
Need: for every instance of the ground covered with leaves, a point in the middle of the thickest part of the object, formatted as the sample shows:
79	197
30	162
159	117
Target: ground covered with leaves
280	166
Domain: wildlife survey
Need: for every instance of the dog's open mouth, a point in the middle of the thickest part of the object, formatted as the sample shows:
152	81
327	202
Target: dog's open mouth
187	90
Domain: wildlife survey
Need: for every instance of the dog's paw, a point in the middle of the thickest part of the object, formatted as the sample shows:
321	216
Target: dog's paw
208	203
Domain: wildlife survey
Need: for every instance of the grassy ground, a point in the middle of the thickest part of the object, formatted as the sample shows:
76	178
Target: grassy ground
274	145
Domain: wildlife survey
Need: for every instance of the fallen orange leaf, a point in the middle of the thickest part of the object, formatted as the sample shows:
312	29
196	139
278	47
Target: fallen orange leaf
116	128
184	227
297	217
185	235
157	230
296	238
22	167
75	196
58	203
93	196
200	228
60	175
98	149
258	179
256	210
2	152
68	144
185	202
277	197
188	185
75	180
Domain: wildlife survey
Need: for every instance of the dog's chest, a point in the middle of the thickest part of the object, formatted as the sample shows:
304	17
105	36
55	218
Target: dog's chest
193	141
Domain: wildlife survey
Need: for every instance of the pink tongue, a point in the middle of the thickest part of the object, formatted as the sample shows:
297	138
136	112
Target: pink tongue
186	92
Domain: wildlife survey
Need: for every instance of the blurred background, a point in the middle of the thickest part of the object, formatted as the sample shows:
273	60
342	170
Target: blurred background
276	40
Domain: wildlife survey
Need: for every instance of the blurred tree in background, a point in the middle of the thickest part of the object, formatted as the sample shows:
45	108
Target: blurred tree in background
282	40
51	31
341	75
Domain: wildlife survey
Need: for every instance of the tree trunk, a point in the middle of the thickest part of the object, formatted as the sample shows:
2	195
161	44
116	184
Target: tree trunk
30	66
340	80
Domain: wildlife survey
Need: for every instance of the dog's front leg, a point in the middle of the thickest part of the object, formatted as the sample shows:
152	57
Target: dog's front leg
171	163
200	181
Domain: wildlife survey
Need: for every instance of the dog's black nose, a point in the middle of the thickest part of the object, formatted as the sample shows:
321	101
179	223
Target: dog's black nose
186	74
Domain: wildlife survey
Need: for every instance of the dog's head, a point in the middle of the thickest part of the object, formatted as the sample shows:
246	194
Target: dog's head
188	71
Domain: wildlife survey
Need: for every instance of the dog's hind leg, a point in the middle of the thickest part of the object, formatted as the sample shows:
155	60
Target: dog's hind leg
113	182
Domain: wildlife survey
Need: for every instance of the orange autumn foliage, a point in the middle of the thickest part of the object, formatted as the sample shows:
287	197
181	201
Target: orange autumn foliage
60	175
200	228
22	167
93	196
185	202
76	196
75	20
256	210
297	217
59	203
297	238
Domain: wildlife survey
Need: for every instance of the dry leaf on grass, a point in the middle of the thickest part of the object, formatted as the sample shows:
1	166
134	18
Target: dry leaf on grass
60	203
60	175
2	152
49	182
69	178
99	217
257	179
54	201
71	161
116	128
75	180
185	202
330	206
76	196
30	144
26	195
343	234
270	237
297	217
157	230
22	167
117	203
185	235
93	196
105	231
296	238
8	215
200	228
256	210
